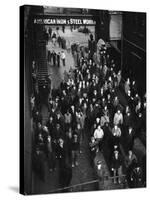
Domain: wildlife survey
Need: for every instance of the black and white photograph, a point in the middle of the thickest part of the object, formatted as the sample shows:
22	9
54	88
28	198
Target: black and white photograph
84	99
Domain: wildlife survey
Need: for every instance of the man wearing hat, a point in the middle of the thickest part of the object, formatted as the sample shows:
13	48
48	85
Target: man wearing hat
116	166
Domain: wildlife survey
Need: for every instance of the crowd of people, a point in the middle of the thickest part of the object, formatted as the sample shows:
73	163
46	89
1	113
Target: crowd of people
87	106
55	37
55	58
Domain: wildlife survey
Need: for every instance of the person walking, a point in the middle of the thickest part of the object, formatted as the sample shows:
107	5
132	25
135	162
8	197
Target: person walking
54	58
63	57
54	39
75	150
116	166
50	32
58	59
59	40
98	135
50	154
49	56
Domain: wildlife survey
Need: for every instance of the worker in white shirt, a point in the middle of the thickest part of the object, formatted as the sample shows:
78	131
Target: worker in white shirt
98	135
63	57
118	118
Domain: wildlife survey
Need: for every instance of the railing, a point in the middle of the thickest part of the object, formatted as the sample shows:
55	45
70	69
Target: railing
135	45
102	183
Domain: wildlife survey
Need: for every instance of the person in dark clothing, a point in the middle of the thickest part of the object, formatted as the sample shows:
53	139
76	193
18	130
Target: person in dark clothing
63	43
39	163
67	119
79	132
49	56
59	120
64	104
63	28
58	59
128	121
58	133
54	58
61	153
130	161
75	150
116	166
54	35
91	46
93	149
44	92
54	39
59	40
50	32
116	135
40	142
130	135
135	176
50	151
68	140
46	36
